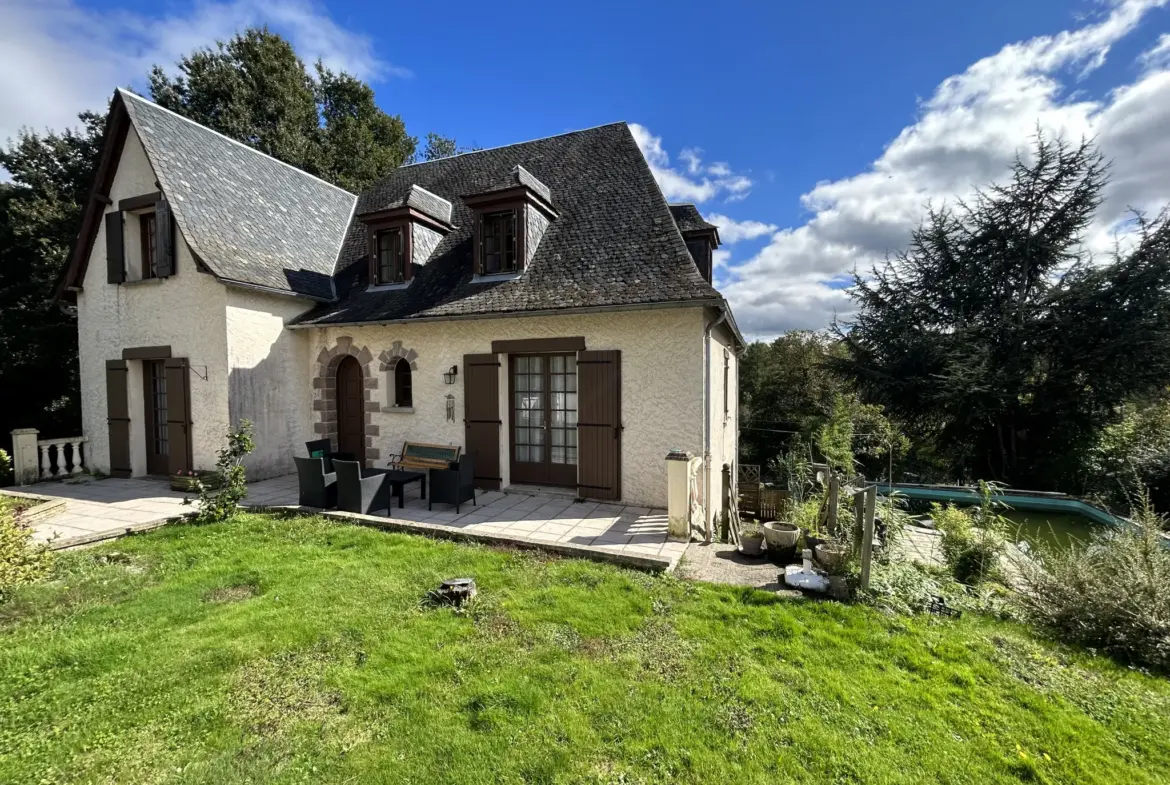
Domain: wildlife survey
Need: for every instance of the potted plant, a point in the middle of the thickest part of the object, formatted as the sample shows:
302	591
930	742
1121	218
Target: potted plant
188	481
781	537
751	539
832	555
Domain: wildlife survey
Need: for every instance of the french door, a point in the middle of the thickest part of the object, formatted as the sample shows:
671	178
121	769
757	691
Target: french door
154	394
543	390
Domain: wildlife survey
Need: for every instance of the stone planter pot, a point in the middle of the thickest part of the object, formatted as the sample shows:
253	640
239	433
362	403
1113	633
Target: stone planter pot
781	538
187	484
751	544
831	556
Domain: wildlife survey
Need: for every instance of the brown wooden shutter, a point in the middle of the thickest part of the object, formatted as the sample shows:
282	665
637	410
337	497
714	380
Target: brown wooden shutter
115	253
599	424
164	239
481	413
178	415
118	417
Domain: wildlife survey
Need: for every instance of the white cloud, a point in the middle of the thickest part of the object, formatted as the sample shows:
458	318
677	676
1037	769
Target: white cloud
695	182
57	58
732	231
966	135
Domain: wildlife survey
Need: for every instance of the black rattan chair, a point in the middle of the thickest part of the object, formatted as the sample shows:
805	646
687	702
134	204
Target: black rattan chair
317	487
452	486
366	491
323	448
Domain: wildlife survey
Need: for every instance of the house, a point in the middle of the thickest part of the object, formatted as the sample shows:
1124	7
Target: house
539	304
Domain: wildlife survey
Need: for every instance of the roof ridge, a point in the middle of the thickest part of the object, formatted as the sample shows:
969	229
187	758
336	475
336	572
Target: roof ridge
124	92
515	144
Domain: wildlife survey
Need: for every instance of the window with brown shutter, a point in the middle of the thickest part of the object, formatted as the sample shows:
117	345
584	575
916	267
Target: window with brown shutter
390	251
147	224
499	251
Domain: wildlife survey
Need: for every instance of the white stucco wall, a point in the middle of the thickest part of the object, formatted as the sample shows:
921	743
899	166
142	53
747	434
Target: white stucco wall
662	381
266	371
185	311
723	404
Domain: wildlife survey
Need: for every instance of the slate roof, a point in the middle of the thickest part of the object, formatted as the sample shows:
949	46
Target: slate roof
422	200
688	218
248	217
614	242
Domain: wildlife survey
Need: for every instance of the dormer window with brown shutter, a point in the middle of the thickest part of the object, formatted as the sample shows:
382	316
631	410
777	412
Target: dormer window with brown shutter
403	235
499	251
511	218
390	262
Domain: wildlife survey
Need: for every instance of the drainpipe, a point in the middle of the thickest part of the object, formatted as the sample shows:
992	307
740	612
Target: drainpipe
711	325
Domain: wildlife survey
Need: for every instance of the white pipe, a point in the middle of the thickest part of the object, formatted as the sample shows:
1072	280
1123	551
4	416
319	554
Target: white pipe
709	503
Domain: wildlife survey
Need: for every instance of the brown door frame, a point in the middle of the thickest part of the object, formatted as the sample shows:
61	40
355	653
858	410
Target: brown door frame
561	475
358	449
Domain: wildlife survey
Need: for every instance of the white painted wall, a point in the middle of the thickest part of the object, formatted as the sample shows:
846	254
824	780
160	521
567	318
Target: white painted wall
185	311
266	378
723	404
662	381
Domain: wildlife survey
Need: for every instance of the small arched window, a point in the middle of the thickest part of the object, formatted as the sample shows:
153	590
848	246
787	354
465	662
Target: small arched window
403	395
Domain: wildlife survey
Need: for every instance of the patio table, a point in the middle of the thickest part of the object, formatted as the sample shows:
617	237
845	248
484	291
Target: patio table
398	478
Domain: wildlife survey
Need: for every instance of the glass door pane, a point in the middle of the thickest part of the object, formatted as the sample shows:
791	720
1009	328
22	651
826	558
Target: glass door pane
528	407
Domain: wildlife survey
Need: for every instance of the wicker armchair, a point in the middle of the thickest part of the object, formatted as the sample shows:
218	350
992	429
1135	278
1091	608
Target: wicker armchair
317	488
452	486
366	491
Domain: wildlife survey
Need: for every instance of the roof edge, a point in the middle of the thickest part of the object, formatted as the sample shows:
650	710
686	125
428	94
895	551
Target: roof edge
699	302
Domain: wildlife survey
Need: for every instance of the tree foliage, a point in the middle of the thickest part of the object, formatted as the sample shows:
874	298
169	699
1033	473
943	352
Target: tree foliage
40	211
254	88
792	397
443	147
996	338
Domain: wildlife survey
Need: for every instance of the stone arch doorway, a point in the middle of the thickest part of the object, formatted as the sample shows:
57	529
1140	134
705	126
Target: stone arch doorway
351	405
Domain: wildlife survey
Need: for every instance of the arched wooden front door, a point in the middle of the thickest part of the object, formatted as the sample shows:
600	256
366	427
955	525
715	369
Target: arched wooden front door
351	415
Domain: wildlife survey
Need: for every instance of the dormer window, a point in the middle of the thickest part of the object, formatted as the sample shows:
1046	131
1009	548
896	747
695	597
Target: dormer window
403	234
391	264
498	252
511	217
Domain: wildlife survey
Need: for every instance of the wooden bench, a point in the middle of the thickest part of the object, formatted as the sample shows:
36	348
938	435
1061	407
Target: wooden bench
419	456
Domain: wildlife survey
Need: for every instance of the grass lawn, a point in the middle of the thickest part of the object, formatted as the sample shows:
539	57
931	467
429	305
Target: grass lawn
270	650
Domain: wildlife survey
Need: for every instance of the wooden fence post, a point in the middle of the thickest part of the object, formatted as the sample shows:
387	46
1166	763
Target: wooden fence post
867	530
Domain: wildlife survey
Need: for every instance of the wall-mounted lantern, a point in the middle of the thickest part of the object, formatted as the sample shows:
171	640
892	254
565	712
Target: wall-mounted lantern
450	407
450	376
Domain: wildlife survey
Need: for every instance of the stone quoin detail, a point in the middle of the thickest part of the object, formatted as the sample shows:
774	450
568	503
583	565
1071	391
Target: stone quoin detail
325	392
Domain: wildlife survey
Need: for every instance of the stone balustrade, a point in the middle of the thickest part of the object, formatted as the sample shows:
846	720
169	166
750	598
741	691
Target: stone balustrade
36	460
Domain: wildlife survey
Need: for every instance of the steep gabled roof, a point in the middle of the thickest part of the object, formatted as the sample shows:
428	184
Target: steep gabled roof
246	216
613	243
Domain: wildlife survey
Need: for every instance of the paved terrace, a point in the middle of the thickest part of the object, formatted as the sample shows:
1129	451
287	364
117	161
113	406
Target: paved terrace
104	509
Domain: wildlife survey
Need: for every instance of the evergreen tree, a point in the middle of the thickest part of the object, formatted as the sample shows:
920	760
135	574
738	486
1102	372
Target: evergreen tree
995	337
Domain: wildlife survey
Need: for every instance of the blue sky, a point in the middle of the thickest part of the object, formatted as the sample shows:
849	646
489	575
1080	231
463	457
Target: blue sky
814	132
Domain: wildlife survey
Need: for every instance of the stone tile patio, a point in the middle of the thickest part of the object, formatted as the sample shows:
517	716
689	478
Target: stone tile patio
103	509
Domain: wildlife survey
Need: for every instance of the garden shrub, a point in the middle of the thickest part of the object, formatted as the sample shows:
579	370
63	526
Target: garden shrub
973	538
5	468
222	502
21	560
1112	594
